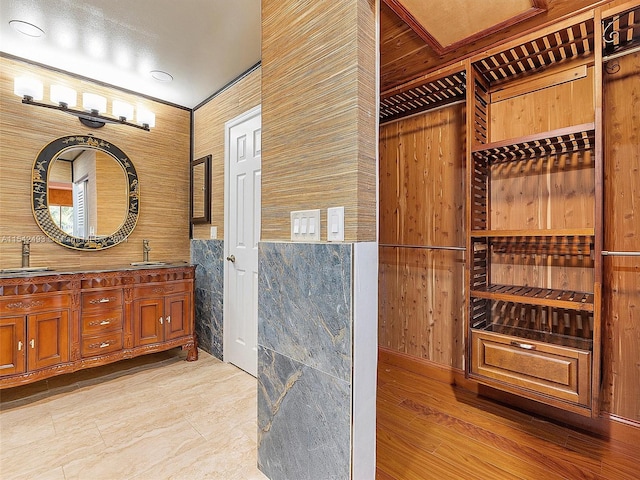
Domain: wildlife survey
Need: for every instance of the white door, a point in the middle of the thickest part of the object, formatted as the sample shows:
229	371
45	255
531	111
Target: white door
241	237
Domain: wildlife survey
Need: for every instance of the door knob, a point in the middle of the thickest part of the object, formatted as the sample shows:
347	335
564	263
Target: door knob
231	258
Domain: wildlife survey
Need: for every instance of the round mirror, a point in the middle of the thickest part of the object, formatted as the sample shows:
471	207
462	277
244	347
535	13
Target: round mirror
85	193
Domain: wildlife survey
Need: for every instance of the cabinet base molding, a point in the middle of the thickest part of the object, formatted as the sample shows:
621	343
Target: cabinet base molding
608	426
64	322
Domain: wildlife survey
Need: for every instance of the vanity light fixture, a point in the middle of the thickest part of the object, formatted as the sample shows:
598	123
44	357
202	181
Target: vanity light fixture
94	106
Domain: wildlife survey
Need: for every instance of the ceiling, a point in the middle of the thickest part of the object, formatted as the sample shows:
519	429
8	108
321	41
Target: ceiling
203	44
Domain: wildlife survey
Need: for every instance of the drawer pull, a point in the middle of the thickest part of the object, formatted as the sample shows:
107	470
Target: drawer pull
525	346
106	344
19	345
168	318
33	343
102	300
105	322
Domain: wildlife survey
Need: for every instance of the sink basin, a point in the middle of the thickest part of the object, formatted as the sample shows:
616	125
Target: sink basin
24	269
147	264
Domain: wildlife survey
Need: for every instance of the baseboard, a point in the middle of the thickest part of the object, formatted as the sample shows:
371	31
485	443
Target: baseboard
607	425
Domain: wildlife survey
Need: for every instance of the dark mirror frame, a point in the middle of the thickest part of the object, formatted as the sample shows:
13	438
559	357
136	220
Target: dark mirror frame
206	218
40	193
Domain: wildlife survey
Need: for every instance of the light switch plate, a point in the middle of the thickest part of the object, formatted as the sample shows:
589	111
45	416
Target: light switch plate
305	226
214	233
335	224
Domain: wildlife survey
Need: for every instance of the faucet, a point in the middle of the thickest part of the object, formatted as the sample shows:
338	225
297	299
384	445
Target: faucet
26	250
145	250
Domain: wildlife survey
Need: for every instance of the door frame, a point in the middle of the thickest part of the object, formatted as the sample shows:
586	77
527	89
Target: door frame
253	112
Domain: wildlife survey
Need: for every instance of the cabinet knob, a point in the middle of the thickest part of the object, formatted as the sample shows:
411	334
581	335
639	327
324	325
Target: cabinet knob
19	345
168	318
232	258
161	320
33	343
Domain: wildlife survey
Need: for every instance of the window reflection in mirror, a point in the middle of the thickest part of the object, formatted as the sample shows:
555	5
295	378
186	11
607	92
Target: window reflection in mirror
87	191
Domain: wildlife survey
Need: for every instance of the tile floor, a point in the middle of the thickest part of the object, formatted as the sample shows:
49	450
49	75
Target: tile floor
153	417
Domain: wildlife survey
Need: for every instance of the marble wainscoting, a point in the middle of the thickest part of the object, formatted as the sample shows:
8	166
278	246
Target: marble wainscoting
208	255
305	360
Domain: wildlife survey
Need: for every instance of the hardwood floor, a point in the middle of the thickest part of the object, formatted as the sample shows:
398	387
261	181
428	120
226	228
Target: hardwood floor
431	430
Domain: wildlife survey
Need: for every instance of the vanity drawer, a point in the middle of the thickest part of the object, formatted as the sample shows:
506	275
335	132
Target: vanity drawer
101	300
96	345
554	370
162	290
27	304
102	322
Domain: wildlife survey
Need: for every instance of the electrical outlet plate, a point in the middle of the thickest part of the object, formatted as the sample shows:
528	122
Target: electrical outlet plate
305	226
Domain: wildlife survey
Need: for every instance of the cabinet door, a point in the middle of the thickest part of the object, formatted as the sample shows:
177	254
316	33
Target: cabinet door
48	338
12	345
147	321
177	311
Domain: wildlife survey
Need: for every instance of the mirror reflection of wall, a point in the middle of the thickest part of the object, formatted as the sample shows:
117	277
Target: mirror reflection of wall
61	195
199	190
87	193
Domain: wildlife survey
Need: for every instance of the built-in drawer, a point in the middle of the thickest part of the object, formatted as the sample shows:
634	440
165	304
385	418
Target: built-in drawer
101	300
101	322
26	304
96	345
162	290
561	372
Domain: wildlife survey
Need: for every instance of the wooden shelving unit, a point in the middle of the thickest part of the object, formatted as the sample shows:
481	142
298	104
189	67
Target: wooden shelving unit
421	95
533	279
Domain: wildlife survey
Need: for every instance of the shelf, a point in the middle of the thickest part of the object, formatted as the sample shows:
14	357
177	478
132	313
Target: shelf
420	96
563	140
568	232
560	244
537	296
538	336
553	47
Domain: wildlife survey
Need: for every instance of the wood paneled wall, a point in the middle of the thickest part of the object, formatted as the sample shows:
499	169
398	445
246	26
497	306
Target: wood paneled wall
318	114
161	158
209	134
621	316
421	291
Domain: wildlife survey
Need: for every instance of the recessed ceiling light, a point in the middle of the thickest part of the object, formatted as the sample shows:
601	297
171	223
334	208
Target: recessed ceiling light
161	76
26	28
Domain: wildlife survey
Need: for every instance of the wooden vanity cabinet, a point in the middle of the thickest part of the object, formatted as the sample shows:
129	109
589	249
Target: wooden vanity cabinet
54	324
34	332
161	313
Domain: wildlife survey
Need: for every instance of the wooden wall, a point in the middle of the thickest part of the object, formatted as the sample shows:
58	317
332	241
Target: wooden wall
318	150
161	158
209	134
421	291
621	316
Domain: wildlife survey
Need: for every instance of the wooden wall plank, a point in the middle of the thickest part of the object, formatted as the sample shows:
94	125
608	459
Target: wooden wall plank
621	314
422	203
161	158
